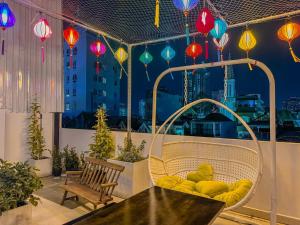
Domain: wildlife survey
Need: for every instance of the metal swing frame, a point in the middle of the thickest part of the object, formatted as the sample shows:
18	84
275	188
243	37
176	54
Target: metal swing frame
272	100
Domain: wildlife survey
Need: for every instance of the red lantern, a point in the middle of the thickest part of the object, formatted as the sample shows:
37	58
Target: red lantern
71	36
98	49
205	23
193	50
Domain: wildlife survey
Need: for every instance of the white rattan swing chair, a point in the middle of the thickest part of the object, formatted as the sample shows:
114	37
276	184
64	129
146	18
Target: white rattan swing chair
180	155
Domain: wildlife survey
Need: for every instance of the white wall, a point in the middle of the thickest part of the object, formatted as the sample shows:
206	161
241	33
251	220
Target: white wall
13	139
288	168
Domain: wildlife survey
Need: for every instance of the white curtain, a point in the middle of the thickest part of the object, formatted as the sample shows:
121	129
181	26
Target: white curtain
23	77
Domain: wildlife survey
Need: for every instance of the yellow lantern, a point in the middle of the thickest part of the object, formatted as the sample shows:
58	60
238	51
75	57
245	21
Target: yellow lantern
121	55
288	33
247	42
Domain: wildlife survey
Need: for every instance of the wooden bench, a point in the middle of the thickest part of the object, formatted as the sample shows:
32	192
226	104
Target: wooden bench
95	183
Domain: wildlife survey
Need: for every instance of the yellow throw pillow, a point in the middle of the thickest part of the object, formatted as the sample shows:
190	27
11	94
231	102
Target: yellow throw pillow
187	184
204	173
169	181
211	188
238	190
188	191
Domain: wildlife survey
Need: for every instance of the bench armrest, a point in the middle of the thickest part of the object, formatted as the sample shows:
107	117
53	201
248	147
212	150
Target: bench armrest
108	185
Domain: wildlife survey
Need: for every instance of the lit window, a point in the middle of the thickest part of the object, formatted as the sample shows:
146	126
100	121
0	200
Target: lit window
104	93
104	80
104	106
67	106
67	92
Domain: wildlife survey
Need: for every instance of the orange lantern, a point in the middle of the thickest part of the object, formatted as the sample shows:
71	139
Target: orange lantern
71	36
194	50
288	33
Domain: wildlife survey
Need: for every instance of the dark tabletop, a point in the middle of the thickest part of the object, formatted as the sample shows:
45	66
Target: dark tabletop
155	206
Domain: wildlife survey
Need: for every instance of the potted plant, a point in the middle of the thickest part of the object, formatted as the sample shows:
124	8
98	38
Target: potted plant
18	181
135	177
71	158
103	145
56	162
36	142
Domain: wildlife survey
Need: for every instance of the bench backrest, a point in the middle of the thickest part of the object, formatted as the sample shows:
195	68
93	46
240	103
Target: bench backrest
96	172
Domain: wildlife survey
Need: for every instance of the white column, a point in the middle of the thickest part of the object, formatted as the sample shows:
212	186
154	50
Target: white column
2	133
129	83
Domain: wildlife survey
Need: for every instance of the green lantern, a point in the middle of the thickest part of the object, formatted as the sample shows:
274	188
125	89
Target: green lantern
146	58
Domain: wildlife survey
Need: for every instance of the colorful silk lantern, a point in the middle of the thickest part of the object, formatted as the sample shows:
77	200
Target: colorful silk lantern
146	58
219	29
288	33
204	24
194	50
43	31
168	53
186	6
71	36
221	45
98	49
7	19
247	42
121	55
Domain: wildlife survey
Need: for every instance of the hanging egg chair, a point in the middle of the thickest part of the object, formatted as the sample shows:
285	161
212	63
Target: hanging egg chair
181	155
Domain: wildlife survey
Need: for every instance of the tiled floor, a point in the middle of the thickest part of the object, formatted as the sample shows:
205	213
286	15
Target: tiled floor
50	212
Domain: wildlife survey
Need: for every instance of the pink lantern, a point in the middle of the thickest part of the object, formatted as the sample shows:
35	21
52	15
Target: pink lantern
98	49
43	31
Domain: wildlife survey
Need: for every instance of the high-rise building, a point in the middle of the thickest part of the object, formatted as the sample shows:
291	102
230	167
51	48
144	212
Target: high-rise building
85	90
292	104
196	84
142	109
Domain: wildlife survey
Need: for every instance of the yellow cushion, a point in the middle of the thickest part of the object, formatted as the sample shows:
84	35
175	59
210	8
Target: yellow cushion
211	188
169	181
238	190
188	191
200	194
187	184
204	173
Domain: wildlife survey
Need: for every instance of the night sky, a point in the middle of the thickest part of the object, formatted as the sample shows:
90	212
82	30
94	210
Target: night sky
269	49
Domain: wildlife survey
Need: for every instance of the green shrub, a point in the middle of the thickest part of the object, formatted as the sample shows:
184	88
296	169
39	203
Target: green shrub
103	145
56	162
17	183
71	158
130	152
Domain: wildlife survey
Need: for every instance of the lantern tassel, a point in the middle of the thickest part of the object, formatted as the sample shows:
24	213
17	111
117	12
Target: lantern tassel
296	59
156	21
121	74
147	74
206	49
71	59
219	56
249	65
187	34
97	67
2	48
43	54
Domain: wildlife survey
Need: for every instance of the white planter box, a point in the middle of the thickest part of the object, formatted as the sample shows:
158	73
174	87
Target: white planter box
43	165
134	179
18	216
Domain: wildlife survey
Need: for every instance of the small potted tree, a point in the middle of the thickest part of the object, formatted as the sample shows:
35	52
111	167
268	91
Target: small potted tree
36	142
135	177
18	181
71	158
56	162
103	145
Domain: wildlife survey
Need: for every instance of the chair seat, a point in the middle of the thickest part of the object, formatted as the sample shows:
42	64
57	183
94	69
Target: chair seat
86	192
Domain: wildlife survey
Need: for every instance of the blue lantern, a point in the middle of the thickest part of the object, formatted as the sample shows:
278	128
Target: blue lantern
168	53
186	6
219	29
7	19
146	58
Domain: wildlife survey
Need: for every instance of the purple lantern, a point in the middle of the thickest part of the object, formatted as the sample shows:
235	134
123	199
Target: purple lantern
7	19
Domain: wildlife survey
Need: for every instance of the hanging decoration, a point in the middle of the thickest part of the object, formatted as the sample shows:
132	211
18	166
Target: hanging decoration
288	33
98	49
247	42
146	58
7	19
71	36
186	6
225	83
204	24
221	45
121	55
220	27
168	53
156	20
43	31
194	50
